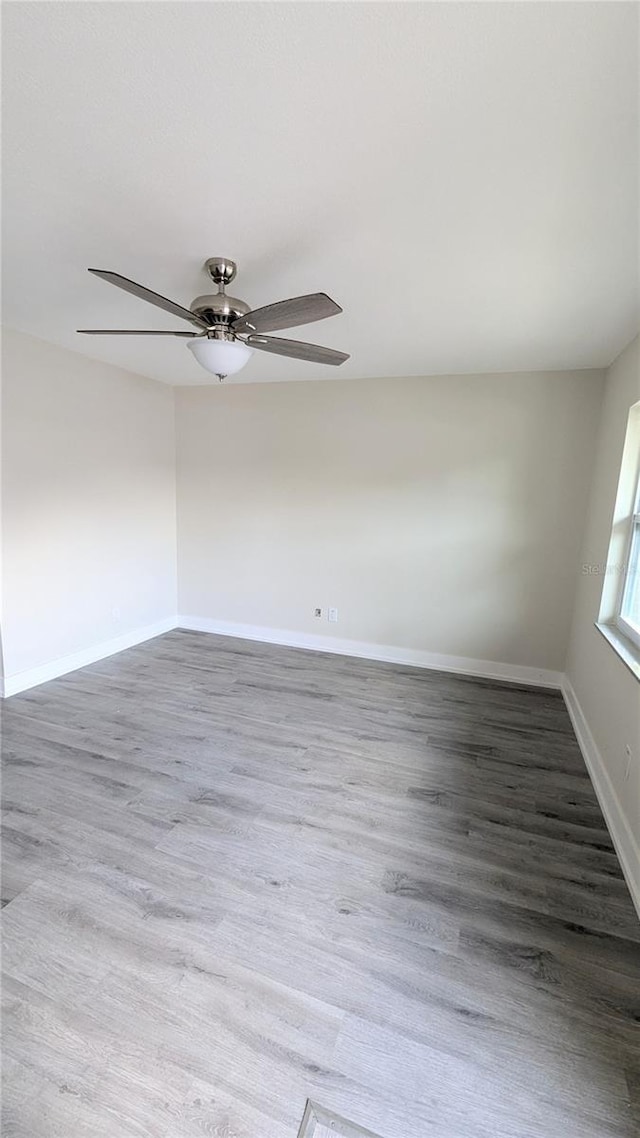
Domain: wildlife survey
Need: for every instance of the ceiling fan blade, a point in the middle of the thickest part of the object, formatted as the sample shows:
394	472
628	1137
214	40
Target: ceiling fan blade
288	313
297	350
130	332
146	294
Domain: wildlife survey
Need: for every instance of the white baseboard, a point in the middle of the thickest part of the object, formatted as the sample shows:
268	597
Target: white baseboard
489	669
626	845
21	681
415	658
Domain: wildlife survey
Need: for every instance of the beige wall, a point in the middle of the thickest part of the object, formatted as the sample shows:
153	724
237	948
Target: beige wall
608	693
442	514
88	503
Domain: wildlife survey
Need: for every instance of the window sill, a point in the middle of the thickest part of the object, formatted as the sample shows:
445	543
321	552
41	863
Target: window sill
626	649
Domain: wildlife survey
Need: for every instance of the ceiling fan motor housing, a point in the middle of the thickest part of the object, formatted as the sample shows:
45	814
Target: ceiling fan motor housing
219	308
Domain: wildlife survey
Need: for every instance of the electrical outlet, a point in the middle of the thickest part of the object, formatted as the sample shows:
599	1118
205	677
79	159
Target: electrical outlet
333	615
317	612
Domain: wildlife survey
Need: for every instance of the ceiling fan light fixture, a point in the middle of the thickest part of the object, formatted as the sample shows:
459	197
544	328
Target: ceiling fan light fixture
221	357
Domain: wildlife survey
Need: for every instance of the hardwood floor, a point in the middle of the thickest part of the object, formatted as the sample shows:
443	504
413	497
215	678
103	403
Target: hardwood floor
238	876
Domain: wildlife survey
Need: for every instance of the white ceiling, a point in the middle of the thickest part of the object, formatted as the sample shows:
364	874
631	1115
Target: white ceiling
461	178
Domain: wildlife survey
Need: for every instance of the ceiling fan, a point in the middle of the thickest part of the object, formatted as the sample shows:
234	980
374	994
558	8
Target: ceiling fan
228	329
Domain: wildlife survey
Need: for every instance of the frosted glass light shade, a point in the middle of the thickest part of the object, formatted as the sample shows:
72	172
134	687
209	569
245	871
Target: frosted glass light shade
222	357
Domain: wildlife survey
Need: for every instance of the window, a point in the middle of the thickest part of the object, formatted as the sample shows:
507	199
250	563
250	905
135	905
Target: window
619	617
628	616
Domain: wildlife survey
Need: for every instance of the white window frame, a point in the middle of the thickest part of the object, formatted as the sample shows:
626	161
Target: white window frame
623	555
631	569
